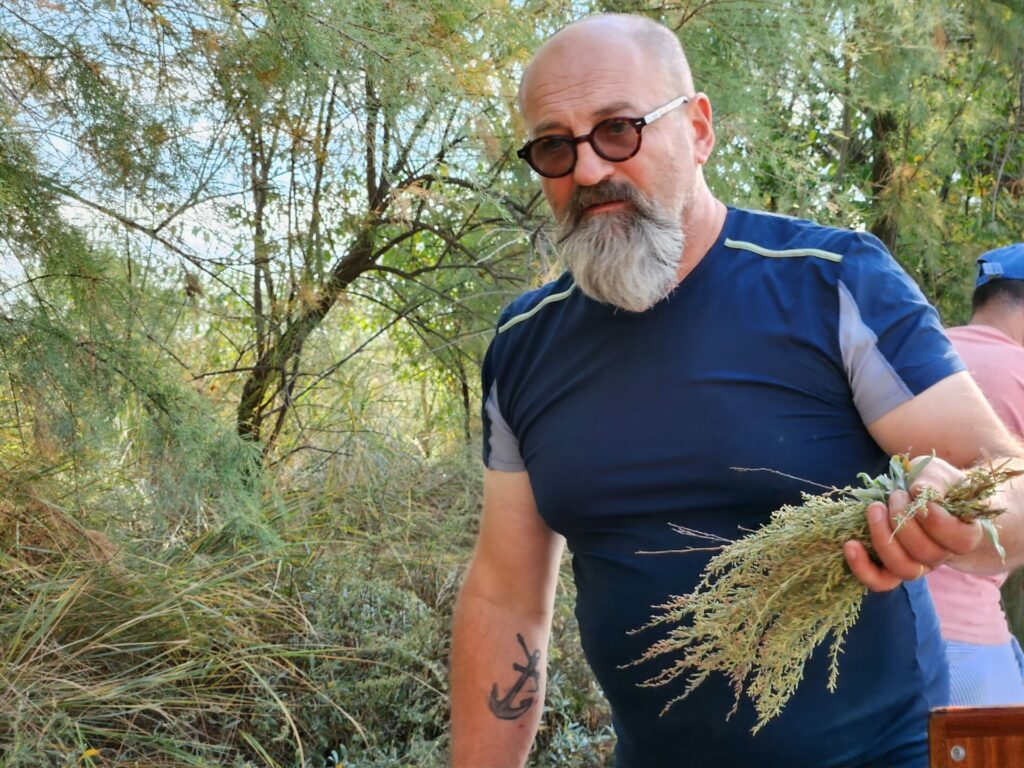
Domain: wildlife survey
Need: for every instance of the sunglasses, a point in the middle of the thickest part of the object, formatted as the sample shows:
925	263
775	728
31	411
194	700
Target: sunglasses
614	139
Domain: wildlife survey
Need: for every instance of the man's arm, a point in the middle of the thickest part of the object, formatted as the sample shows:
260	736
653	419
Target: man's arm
501	628
953	419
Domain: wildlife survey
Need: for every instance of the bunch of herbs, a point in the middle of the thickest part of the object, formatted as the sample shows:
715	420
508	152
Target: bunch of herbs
767	600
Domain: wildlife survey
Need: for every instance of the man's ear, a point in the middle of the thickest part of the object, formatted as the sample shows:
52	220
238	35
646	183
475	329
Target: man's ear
703	127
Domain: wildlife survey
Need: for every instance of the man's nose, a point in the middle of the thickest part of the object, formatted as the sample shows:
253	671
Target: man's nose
590	168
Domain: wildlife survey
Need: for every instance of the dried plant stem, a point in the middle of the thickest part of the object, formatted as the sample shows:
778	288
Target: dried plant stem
767	600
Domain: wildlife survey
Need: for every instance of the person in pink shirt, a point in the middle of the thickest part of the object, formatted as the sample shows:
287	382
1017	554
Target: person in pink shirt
986	663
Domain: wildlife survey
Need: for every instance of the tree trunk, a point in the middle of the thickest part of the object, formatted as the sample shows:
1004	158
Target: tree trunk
275	359
885	228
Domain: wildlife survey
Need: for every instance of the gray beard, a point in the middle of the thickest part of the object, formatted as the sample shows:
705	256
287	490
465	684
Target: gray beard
628	258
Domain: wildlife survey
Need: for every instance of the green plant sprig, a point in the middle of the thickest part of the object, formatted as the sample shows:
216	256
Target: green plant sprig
767	600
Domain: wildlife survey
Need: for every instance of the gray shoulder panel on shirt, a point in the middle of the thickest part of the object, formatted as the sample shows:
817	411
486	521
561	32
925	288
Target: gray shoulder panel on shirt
877	388
504	455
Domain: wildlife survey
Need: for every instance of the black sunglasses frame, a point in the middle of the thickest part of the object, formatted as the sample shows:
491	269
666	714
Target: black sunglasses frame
636	123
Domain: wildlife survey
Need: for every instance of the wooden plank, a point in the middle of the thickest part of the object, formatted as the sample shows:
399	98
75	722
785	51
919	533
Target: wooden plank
976	737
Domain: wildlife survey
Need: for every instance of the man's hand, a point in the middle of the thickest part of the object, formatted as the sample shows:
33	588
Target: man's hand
953	419
920	543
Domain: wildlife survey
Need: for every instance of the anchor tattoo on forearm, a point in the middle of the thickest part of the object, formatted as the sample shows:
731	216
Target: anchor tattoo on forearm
504	707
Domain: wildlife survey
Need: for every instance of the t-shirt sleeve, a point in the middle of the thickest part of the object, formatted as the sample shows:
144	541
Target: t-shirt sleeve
892	342
500	445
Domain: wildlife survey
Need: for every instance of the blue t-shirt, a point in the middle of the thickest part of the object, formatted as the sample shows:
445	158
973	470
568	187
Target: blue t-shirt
772	353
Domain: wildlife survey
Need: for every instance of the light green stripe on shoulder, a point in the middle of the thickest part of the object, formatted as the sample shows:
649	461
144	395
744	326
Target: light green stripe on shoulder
791	253
540	305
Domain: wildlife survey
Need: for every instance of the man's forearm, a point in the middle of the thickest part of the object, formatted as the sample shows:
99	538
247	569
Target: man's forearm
497	683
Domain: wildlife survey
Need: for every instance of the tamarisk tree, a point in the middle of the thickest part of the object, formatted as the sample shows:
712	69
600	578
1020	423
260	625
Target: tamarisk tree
301	170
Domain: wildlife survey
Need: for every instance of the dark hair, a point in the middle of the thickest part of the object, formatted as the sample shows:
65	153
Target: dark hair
1003	290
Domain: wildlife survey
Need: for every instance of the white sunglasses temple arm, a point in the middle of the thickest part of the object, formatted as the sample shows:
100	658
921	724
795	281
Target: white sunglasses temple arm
660	111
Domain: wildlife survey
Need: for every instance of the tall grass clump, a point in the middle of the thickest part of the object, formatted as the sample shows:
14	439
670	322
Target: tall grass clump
213	651
330	649
169	660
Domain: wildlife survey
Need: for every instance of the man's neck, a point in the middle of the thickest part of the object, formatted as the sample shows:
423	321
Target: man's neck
703	222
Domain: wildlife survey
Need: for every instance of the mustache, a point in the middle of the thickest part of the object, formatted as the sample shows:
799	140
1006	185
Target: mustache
605	192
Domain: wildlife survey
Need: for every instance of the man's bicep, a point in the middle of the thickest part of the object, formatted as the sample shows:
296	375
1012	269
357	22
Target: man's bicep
952	418
517	554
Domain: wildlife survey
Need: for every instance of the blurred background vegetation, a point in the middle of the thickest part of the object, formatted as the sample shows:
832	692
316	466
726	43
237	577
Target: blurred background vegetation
251	254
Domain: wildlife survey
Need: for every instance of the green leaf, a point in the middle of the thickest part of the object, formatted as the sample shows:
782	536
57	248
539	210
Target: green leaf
993	533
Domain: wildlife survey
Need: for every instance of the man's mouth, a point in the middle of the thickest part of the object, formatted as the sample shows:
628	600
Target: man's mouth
609	205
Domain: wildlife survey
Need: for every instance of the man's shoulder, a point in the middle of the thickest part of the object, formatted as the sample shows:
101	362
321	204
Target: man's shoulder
779	235
530	305
530	319
980	336
964	332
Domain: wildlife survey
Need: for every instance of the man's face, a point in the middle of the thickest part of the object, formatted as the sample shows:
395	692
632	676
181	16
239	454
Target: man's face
620	224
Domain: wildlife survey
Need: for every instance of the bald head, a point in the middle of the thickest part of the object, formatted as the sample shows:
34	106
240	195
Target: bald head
654	45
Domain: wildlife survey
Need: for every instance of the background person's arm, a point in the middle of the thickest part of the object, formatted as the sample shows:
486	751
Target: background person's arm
953	419
501	627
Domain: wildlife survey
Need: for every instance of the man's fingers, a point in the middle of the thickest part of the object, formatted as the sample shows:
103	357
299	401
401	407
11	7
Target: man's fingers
868	573
949	533
888	548
916	540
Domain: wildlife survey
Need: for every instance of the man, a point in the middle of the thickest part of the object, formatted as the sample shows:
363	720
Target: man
986	665
687	339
